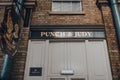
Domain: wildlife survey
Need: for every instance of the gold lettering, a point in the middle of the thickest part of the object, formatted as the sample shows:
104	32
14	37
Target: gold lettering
52	34
85	34
57	34
66	34
46	33
89	34
43	34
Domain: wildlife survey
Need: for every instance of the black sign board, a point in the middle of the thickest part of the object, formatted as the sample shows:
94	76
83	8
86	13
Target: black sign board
35	71
74	34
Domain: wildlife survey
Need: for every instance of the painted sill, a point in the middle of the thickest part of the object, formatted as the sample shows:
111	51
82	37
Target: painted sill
66	13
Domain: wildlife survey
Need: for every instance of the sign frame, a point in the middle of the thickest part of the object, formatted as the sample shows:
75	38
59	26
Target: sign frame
67	34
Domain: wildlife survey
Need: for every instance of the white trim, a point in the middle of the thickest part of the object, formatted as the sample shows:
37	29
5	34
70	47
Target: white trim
46	60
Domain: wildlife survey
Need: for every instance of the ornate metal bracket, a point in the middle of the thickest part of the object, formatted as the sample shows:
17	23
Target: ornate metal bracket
10	27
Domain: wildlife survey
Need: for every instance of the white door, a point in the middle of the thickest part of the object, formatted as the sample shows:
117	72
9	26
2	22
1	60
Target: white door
87	60
65	57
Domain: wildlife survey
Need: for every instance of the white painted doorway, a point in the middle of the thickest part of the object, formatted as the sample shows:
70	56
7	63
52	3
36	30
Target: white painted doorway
81	60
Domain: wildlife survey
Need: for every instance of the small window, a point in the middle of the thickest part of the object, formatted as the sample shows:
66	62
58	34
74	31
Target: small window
67	5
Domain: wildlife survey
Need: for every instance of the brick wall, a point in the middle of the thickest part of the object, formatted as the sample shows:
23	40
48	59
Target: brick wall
1	55
111	40
20	58
42	14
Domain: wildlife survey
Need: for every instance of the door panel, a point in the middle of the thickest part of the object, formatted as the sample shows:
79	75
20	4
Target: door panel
35	59
57	60
97	63
77	57
38	49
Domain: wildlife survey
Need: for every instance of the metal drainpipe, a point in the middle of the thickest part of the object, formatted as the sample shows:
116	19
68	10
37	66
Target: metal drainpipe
116	16
6	68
